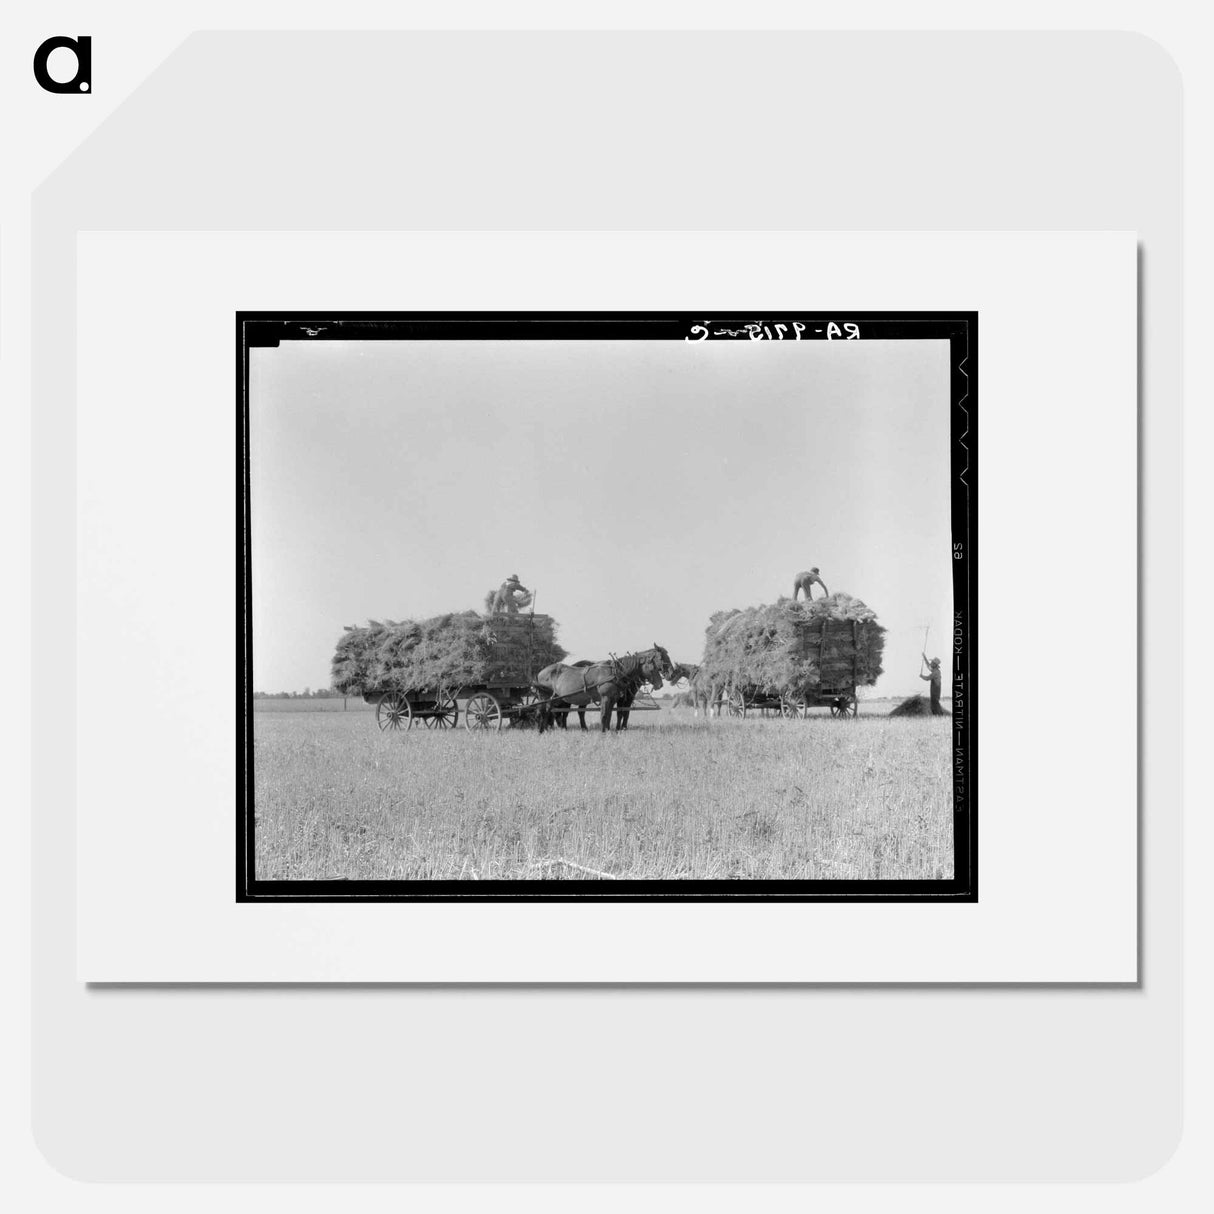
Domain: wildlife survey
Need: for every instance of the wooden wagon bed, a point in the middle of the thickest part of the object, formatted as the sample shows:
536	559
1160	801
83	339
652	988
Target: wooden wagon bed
831	649
432	672
482	707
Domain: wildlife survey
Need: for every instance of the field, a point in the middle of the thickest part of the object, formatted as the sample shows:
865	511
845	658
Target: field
309	704
674	797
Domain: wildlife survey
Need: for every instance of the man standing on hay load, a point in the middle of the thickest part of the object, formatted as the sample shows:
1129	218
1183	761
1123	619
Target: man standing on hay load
804	580
511	595
934	679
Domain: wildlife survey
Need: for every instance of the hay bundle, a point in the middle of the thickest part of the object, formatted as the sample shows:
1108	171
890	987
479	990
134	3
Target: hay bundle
795	646
455	650
522	598
917	706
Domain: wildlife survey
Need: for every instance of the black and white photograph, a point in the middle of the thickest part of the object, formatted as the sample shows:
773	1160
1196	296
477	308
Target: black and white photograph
614	605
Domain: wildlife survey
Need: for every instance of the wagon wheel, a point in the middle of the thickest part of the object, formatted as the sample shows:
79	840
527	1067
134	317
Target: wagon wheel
794	707
393	713
844	705
483	712
445	713
526	710
735	704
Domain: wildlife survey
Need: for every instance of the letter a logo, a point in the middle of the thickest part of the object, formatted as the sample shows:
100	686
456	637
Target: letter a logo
82	81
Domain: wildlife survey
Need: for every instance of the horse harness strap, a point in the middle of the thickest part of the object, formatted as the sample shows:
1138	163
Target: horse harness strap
618	674
593	693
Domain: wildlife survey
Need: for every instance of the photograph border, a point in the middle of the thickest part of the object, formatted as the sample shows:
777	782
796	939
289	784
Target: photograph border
960	329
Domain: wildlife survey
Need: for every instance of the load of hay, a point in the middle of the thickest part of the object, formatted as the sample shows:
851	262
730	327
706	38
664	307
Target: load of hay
917	706
795	646
460	649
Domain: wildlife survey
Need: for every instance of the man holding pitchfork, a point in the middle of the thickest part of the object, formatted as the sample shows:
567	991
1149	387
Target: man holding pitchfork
933	677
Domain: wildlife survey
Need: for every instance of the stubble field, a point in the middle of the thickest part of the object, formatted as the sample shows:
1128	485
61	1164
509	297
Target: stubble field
673	797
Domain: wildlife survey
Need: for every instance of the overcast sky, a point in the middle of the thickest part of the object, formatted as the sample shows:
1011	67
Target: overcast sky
636	486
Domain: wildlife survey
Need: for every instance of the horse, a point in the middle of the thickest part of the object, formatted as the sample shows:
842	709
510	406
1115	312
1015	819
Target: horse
703	692
623	709
582	680
561	716
683	670
609	684
698	691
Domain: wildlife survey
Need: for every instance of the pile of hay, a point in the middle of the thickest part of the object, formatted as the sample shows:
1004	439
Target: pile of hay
795	646
460	649
917	706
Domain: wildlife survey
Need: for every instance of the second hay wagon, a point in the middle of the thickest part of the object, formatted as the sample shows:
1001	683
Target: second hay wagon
792	705
789	658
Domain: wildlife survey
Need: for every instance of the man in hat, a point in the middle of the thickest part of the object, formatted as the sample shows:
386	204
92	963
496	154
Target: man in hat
934	679
803	581
511	595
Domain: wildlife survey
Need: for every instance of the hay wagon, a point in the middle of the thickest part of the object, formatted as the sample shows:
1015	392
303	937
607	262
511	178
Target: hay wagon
485	706
432	672
793	705
830	645
787	659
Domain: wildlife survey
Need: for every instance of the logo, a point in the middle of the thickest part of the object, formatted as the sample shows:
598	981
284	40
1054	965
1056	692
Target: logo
82	81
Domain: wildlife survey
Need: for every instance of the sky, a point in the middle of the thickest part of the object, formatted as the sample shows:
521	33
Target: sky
636	487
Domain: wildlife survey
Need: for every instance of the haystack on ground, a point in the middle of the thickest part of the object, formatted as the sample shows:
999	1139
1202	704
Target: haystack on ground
829	643
916	706
460	649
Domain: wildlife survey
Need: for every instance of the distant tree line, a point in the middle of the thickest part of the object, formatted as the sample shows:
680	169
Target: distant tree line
321	693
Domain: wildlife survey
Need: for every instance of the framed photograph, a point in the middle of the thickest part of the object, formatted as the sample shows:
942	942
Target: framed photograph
499	480
619	605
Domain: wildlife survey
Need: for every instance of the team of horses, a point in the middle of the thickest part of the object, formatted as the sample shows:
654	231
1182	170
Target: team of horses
612	685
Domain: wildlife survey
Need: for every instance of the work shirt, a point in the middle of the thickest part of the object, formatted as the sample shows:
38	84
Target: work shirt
935	680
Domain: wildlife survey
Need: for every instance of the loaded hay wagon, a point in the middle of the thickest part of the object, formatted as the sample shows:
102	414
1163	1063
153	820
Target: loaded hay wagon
790	657
430	671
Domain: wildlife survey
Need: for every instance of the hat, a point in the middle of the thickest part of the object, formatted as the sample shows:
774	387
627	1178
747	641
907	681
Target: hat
814	569
935	661
512	578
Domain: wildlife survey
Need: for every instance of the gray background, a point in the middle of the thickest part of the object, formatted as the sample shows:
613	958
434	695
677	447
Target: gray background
620	131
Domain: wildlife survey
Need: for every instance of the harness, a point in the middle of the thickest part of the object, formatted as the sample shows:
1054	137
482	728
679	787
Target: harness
629	680
618	675
594	695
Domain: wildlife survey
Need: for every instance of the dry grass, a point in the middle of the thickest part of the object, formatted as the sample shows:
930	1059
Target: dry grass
672	798
786	645
458	649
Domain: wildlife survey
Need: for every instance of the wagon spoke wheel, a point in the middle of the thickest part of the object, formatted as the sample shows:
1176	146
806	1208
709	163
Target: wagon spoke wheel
794	708
393	713
844	706
445	713
527	709
483	712
735	705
